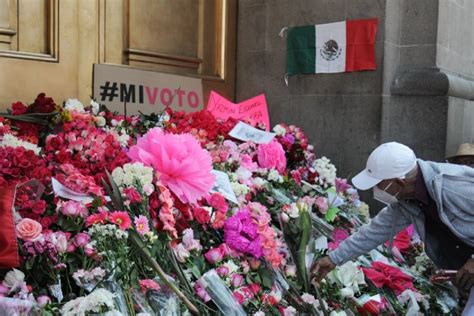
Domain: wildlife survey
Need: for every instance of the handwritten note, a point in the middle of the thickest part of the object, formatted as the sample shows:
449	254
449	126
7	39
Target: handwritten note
254	109
246	132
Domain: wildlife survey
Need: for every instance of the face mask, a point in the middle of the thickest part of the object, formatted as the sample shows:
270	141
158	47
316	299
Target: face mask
383	196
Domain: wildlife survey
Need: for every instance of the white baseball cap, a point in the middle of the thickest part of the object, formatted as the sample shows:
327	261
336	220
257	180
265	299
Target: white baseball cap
388	161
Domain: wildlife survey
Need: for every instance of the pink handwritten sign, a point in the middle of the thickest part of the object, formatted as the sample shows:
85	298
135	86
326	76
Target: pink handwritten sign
254	109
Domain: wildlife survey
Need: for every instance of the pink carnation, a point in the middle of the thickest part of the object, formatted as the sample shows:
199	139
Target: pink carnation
217	201
272	155
132	195
338	236
149	284
81	239
182	164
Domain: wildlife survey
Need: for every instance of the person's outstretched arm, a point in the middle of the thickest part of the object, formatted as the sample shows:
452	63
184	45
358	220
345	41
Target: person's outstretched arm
369	236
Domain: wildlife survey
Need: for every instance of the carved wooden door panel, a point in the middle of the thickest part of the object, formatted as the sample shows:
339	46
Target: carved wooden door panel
50	45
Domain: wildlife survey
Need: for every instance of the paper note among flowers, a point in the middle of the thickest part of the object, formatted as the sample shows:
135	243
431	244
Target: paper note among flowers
254	109
223	186
245	132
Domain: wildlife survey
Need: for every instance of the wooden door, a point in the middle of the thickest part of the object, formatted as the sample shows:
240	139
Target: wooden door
50	45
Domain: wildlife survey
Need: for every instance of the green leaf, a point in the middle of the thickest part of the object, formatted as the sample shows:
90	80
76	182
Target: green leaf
113	191
267	279
331	214
195	272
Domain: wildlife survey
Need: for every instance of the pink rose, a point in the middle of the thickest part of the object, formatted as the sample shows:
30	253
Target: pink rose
43	300
237	280
28	229
222	271
272	155
214	255
73	208
81	239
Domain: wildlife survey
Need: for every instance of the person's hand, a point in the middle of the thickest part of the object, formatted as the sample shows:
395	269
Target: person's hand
464	279
321	268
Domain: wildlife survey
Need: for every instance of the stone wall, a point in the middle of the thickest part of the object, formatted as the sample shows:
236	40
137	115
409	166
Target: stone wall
347	115
455	55
339	112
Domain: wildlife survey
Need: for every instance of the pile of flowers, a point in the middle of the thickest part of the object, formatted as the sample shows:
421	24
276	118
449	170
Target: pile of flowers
122	216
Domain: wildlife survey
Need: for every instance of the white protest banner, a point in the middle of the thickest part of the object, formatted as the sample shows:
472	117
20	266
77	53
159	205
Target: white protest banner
145	90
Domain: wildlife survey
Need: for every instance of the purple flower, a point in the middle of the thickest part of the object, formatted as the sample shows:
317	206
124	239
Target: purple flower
240	233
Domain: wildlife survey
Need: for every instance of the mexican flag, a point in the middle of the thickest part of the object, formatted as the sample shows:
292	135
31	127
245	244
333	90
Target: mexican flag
333	47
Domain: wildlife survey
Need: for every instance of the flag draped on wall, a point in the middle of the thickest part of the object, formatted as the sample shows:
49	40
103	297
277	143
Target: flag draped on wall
333	47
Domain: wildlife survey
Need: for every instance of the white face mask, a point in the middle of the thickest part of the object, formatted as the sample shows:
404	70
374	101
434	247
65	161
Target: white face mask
383	196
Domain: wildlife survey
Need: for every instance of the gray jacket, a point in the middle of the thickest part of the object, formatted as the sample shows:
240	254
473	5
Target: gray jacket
451	187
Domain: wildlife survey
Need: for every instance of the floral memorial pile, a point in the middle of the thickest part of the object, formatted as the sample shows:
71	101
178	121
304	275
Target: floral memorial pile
168	214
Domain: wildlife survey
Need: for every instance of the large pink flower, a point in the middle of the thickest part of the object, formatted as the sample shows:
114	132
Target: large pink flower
182	164
272	155
241	234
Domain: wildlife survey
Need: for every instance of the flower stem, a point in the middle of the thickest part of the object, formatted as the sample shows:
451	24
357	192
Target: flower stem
136	241
305	222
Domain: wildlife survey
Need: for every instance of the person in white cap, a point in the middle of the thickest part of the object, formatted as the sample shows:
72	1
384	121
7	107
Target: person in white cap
437	198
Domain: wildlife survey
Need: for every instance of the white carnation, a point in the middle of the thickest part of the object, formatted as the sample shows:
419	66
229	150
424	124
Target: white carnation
326	171
10	140
239	189
133	174
74	105
348	275
94	302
